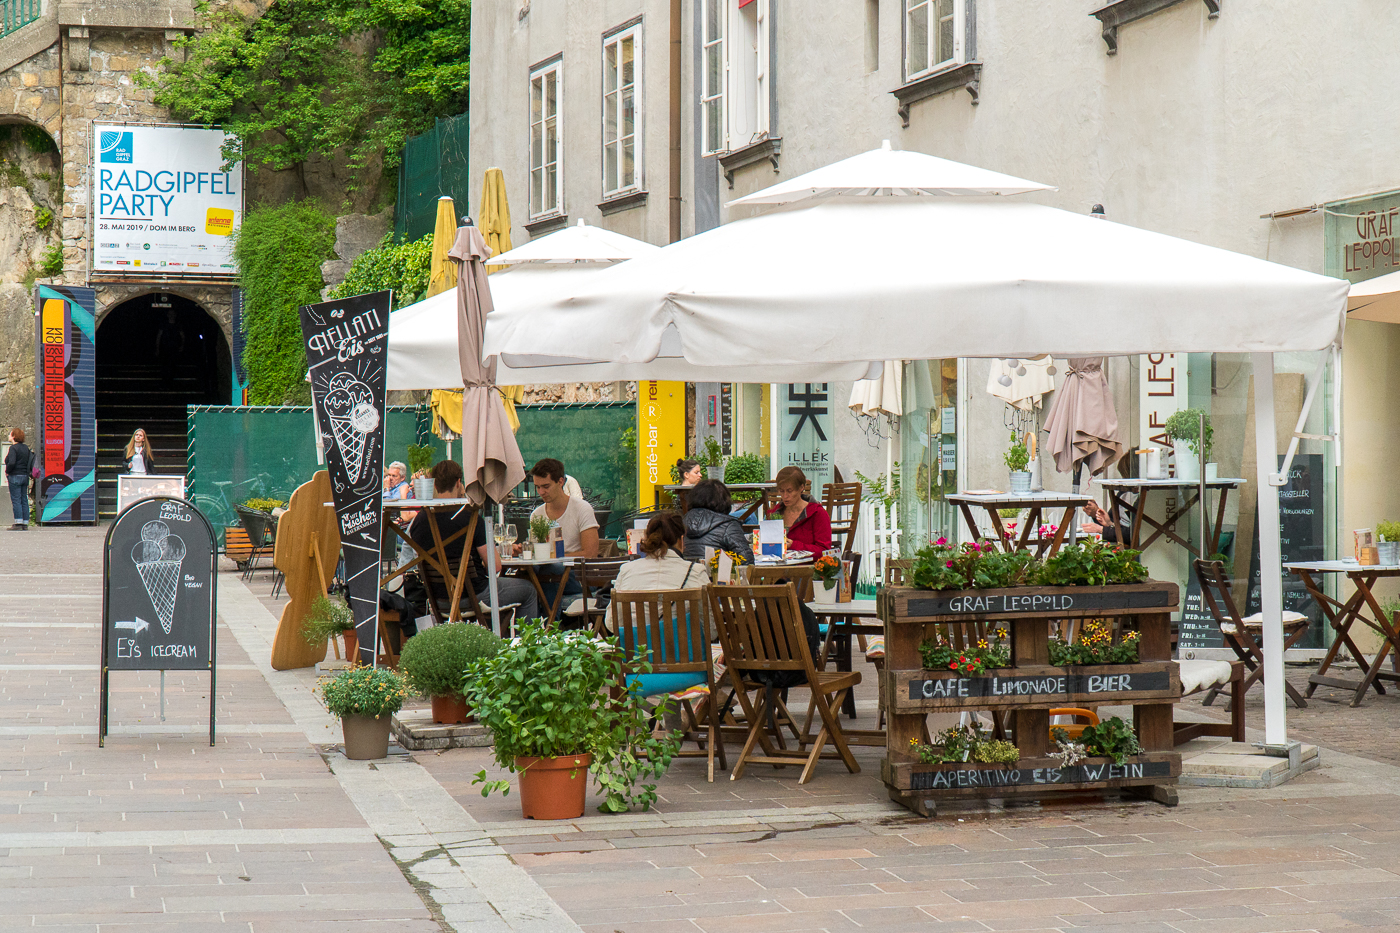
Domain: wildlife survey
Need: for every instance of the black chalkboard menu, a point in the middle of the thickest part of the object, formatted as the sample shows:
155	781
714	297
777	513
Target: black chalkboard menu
346	344
158	594
1302	507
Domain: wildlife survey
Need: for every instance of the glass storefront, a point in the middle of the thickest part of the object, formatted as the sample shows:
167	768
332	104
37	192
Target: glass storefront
928	440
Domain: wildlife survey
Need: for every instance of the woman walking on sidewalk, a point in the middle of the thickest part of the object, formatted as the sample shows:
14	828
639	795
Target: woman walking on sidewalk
18	464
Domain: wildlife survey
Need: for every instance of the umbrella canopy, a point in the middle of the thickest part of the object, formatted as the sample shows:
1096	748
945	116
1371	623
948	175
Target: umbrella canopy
1082	424
579	243
490	456
933	278
1376	299
882	395
895	173
494	216
442	274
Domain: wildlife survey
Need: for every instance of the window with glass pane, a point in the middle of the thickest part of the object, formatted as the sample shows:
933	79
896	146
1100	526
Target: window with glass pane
931	35
712	89
545	149
620	97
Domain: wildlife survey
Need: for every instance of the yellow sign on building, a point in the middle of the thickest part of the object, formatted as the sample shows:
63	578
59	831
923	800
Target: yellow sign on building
660	435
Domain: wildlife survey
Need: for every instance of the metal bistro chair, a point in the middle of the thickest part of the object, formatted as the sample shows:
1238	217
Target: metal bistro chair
669	629
842	502
261	528
1242	633
765	647
595	577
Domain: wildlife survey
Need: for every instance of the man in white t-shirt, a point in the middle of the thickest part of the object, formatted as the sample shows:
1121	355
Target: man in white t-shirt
572	516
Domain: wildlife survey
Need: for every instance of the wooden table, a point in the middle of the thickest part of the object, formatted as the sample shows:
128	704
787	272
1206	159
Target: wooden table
436	556
1342	616
1119	488
528	565
682	495
1035	503
842	620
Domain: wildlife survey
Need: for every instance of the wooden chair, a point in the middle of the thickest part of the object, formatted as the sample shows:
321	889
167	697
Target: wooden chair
842	502
801	578
761	630
607	547
1200	676
390	639
895	571
1243	634
669	628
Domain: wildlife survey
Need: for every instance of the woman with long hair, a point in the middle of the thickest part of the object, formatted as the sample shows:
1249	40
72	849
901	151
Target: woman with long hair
806	523
662	567
139	458
19	463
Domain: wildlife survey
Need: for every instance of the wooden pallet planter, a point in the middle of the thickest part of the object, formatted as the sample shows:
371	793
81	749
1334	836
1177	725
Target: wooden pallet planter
1028	689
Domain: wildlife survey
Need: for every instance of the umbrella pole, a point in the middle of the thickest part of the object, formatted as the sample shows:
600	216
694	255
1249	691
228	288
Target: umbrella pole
491	573
1072	513
1201	450
1270	553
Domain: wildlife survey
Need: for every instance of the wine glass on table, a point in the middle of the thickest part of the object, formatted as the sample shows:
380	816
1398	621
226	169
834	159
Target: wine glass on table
512	535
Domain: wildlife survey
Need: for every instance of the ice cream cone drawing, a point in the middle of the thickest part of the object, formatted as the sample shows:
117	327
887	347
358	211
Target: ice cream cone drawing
158	556
353	417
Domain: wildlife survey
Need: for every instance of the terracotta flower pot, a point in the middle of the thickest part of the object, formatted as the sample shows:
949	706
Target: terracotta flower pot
553	788
366	737
352	645
450	709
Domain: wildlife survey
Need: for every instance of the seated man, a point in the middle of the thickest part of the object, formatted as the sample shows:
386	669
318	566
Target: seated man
573	516
447	484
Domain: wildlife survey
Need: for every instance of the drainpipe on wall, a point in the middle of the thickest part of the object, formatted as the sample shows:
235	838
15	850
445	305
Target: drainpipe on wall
674	202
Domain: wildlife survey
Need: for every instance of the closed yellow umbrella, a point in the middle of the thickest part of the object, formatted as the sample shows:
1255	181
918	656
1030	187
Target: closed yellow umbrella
493	218
442	273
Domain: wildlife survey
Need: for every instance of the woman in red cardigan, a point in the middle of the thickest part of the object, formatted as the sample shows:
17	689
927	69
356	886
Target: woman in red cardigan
808	525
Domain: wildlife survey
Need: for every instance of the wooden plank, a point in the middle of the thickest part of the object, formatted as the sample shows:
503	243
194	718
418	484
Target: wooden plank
1031	776
927	691
909	605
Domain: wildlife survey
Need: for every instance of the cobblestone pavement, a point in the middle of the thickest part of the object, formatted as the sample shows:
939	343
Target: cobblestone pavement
272	829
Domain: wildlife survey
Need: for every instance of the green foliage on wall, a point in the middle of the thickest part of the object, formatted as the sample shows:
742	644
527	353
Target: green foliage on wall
316	77
279	251
399	267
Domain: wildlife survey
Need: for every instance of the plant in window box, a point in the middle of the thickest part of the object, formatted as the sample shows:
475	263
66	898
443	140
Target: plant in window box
1113	738
1184	429
1095	646
970	565
1092	563
939	654
1017	458
964	743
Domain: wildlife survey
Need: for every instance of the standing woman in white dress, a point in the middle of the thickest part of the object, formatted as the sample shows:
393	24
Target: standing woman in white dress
139	458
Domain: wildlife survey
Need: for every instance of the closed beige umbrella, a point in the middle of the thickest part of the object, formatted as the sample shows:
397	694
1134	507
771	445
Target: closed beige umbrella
490	456
1082	424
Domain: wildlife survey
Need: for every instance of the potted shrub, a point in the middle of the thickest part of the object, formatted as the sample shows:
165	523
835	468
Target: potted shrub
539	534
713	458
365	699
420	461
826	579
545	698
328	619
434	661
1017	457
1389	534
1184	429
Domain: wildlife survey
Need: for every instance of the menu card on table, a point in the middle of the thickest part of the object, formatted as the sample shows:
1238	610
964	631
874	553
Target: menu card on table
771	538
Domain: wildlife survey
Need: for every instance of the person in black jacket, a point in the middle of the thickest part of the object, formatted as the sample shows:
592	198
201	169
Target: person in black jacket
139	456
18	464
709	524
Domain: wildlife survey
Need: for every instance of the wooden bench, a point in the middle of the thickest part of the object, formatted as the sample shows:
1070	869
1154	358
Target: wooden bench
1201	676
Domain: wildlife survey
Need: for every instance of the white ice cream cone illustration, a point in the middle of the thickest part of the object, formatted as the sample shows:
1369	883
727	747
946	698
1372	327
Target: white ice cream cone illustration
158	556
351	412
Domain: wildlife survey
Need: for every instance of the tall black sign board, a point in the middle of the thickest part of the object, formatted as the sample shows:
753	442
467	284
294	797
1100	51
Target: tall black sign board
346	341
158	594
1302	508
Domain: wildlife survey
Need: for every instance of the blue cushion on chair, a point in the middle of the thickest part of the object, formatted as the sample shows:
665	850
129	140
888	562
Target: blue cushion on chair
650	685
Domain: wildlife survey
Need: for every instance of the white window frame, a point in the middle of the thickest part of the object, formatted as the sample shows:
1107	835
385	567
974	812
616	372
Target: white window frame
619	142
737	126
539	159
932	62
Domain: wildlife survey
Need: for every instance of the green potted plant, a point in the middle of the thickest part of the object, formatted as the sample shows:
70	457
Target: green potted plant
365	699
745	468
826	579
545	698
434	661
1184	429
1389	545
328	619
713	458
539	534
420	461
1017	457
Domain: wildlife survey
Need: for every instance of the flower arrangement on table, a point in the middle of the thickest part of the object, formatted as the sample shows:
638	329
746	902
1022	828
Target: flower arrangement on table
964	743
982	565
1095	646
938	654
734	556
1113	738
826	568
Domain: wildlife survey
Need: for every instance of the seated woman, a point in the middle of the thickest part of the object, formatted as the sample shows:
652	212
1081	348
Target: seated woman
807	524
709	524
690	472
662	567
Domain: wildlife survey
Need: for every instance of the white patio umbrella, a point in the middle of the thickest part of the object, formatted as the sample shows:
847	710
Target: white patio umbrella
1376	299
579	243
934	277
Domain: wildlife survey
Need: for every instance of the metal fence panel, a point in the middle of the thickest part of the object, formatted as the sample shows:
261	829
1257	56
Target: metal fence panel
434	164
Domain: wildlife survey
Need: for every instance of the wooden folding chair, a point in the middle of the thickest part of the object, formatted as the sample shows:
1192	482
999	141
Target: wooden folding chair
669	628
801	578
842	503
1242	634
895	571
761	630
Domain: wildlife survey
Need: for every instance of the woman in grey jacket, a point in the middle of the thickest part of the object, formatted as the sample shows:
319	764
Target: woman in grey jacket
709	524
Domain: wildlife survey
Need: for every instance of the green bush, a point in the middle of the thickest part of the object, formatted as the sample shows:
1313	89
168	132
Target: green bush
52	262
279	251
327	619
398	267
43	218
364	691
435	660
746	468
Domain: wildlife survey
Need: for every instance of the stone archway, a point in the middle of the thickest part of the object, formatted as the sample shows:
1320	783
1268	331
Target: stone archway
157	352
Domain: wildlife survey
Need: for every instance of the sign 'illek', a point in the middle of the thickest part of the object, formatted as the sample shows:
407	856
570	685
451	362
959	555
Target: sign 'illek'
345	346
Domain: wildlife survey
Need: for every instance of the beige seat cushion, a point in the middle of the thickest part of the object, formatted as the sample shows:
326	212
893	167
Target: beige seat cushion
1256	622
1202	675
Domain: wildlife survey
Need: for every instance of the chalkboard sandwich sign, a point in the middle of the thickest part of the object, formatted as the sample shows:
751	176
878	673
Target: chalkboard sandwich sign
903	604
913	691
1030	776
